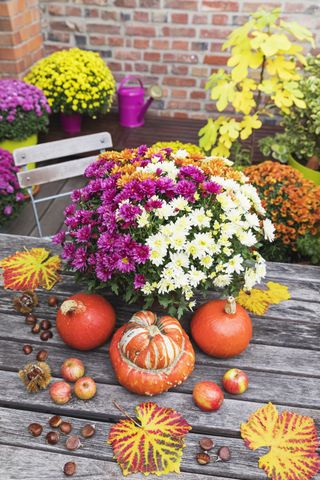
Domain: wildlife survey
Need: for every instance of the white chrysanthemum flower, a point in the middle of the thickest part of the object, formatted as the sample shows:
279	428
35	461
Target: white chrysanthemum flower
157	256
243	202
235	264
199	218
165	211
177	240
247	238
253	220
195	276
261	269
147	288
179	260
268	230
191	249
222	281
157	241
226	201
206	261
143	219
202	243
181	153
170	169
250	279
179	203
164	285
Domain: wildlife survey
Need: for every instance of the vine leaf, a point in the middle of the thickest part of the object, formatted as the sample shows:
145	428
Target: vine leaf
292	439
152	444
30	269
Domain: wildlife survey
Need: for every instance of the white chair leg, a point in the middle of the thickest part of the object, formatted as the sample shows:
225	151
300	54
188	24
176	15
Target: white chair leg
35	211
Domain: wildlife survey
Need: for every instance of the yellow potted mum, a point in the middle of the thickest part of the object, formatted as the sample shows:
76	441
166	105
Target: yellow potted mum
75	82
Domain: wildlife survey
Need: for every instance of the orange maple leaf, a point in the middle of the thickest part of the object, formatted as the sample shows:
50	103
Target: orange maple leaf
292	439
30	269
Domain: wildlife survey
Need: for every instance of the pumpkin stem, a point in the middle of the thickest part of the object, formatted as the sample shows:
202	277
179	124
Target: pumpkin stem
122	410
69	306
230	306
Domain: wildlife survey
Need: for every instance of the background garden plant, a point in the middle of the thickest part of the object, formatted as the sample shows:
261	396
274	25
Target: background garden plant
11	196
301	136
293	204
24	110
74	81
264	76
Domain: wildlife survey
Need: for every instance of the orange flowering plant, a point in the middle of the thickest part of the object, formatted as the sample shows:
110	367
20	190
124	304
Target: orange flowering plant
291	202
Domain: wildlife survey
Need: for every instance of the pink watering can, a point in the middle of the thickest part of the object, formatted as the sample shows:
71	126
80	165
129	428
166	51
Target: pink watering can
132	106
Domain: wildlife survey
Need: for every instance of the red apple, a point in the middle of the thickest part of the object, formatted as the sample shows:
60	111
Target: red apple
208	396
72	369
235	381
60	392
85	388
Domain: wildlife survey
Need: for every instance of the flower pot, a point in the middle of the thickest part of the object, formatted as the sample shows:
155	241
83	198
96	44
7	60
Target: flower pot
306	172
11	145
71	124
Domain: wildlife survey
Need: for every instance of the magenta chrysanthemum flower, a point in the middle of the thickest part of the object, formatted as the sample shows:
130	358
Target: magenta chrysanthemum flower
139	281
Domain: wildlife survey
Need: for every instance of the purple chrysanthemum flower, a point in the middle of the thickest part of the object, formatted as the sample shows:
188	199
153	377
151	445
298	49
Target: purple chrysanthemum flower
212	187
125	265
191	171
186	189
139	281
8	209
59	237
141	253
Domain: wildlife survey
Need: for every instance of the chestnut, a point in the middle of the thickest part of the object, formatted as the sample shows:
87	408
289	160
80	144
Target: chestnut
52	438
36	328
73	442
52	301
65	427
45	335
31	319
42	355
55	421
88	430
35	429
27	349
69	469
45	324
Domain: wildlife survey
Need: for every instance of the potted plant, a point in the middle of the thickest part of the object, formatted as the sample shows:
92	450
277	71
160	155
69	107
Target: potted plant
24	112
263	76
299	144
76	82
293	204
11	196
157	225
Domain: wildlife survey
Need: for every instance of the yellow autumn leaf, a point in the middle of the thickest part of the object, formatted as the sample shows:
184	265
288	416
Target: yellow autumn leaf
238	35
270	44
30	269
244	101
292	439
154	444
221	150
264	18
298	31
224	93
248	124
230	128
268	86
284	69
258	301
209	133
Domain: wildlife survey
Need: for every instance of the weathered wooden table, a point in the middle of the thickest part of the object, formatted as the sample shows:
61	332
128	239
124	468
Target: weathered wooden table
282	361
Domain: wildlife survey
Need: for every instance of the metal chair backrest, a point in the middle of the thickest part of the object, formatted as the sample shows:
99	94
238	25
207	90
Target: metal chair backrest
58	149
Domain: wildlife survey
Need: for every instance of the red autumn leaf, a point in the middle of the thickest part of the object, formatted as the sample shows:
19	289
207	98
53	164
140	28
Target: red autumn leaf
292	439
30	269
154	444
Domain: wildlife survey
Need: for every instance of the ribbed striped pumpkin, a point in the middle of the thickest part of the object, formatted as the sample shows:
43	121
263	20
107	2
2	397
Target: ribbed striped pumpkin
151	354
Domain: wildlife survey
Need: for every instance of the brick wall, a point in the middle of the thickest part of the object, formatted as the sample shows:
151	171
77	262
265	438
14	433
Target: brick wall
176	43
20	36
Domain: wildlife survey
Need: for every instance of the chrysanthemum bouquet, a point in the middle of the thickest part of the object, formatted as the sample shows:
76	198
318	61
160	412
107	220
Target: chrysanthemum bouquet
11	196
156	224
23	110
74	81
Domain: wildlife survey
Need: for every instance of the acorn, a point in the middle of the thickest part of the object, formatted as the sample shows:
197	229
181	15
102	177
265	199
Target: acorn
35	376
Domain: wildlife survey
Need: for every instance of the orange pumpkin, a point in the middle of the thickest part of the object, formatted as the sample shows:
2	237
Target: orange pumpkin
151	354
221	328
